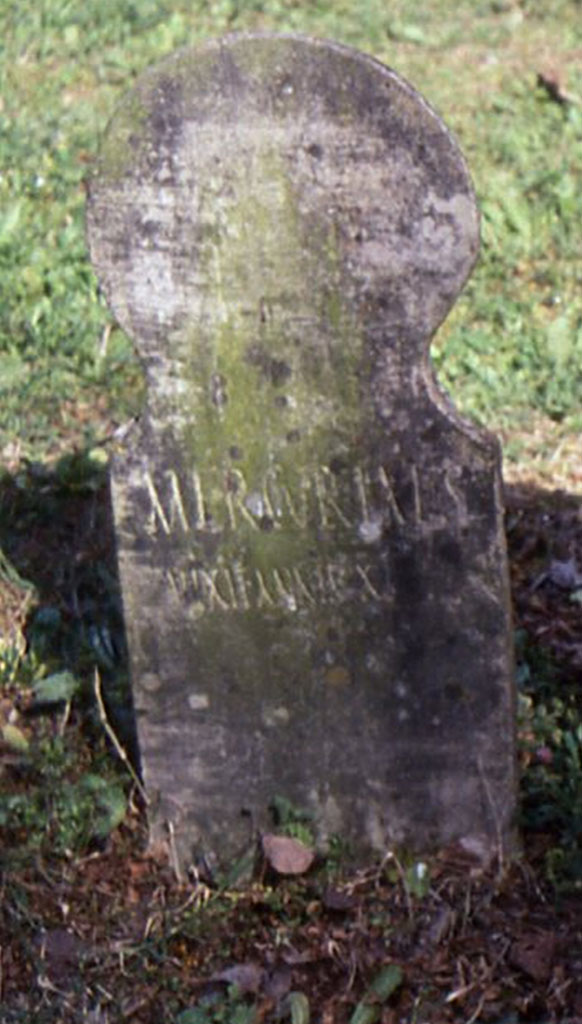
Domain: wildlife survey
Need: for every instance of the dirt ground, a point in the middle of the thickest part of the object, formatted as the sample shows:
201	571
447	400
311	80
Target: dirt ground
111	936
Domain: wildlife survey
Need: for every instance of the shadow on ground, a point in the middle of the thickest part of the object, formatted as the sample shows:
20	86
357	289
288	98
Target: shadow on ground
59	589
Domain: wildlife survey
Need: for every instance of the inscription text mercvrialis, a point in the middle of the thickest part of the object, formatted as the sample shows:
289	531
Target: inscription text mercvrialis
359	517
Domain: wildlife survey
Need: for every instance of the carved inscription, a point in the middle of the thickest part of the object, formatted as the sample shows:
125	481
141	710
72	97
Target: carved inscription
238	588
364	504
363	507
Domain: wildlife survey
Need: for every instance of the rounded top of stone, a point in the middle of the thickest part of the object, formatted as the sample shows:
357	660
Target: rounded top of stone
280	135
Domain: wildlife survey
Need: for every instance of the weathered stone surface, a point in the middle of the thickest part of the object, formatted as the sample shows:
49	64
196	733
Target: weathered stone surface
310	539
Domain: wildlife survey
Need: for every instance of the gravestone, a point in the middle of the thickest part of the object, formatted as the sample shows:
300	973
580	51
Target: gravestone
310	539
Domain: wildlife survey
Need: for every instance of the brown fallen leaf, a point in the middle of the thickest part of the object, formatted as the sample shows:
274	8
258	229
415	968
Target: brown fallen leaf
247	977
278	982
338	899
287	856
61	950
293	958
553	80
534	954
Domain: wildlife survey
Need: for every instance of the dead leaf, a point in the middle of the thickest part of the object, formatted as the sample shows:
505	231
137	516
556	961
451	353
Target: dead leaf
470	853
553	80
294	958
14	738
534	954
278	983
287	856
564	574
338	899
61	951
442	924
248	977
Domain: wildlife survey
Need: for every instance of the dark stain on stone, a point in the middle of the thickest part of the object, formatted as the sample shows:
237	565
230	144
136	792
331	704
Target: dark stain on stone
218	393
166	123
338	464
232	483
277	371
450	551
454	692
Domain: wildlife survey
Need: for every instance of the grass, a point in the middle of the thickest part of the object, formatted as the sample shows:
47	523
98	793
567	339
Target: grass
511	353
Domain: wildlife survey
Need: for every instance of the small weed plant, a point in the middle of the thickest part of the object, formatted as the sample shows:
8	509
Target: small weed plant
62	792
550	729
218	1009
59	796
